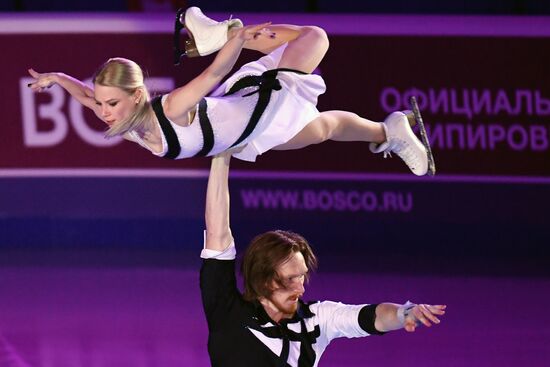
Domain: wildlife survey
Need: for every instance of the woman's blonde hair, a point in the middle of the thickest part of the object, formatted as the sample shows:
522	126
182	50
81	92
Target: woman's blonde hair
128	76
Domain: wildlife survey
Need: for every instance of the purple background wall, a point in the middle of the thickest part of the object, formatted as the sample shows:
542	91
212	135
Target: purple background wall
99	244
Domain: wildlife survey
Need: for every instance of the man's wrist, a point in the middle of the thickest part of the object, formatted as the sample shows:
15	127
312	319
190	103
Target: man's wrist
403	311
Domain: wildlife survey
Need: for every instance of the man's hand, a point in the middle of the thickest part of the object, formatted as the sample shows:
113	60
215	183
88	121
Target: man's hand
422	314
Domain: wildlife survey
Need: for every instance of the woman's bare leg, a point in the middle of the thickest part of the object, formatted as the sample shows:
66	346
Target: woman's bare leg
337	126
305	52
306	48
271	38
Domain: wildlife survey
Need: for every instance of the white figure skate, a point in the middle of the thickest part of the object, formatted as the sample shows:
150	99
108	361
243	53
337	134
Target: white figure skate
401	140
206	35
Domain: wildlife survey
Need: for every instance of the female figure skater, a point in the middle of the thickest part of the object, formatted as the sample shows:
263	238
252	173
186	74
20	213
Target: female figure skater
267	104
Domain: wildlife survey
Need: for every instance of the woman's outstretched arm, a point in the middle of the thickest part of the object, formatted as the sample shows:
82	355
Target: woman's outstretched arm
80	91
185	98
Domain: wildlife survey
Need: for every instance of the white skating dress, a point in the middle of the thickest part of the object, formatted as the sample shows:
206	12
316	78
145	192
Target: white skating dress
290	108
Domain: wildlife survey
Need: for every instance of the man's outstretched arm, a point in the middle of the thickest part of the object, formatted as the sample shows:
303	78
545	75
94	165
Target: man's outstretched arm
218	231
390	316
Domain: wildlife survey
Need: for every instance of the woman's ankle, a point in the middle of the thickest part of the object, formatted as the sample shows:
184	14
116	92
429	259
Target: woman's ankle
232	32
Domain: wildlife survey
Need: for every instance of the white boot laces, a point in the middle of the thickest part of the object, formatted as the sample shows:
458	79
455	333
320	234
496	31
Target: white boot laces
404	151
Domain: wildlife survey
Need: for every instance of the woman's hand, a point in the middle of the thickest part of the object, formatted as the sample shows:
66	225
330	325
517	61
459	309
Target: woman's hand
42	80
251	32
